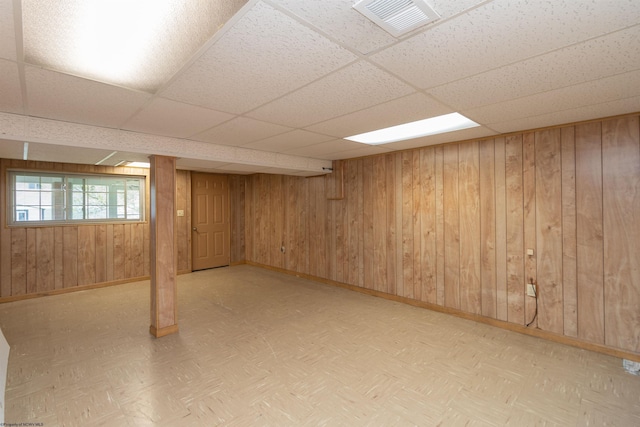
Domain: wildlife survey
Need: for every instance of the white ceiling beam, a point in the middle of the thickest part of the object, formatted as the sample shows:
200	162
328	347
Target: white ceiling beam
32	129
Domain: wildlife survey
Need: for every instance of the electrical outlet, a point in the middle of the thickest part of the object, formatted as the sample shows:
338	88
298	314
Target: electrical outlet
531	290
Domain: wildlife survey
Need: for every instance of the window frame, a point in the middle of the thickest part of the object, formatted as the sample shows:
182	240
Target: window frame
67	196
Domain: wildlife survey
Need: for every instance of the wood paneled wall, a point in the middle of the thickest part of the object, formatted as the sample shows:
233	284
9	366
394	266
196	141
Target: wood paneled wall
450	225
38	260
237	185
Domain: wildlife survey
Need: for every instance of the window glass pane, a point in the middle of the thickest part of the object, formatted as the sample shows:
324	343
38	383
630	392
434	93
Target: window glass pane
57	197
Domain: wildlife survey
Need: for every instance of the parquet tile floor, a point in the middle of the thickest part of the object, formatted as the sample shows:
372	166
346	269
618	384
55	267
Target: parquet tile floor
258	348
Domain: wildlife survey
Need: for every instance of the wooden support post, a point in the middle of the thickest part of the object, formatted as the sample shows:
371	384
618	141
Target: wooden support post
163	249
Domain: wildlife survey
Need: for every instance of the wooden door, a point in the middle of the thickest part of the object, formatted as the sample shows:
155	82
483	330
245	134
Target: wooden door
210	220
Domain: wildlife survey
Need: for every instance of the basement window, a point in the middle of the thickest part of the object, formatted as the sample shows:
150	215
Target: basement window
36	198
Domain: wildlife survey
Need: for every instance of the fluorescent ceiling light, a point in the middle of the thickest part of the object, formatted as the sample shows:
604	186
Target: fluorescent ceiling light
432	126
137	44
138	165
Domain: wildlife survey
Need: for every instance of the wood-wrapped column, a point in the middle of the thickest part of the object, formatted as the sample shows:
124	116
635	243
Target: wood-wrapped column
163	248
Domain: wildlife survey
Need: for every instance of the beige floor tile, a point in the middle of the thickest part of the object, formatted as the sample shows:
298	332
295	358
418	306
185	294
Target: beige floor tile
259	348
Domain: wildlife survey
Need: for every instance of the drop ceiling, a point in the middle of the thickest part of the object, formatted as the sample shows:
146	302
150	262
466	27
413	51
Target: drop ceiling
275	85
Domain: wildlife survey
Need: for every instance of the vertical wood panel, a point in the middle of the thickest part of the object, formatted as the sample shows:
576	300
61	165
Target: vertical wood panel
451	228
621	181
45	259
501	231
416	185
428	225
589	237
128	253
353	229
470	243
58	257
110	251
70	256
515	238
86	255
530	236
292	226
32	284
278	212
488	227
137	249
368	208
380	224
101	253
407	232
18	261
440	234
549	230
393	206
118	252
569	250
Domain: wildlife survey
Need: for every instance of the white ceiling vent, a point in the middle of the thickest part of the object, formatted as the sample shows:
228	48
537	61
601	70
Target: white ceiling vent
397	17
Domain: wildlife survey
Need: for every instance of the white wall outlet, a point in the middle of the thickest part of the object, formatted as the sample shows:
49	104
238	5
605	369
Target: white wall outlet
180	212
530	252
531	290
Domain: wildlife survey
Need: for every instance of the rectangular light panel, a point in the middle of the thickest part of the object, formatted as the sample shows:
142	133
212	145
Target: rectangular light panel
432	126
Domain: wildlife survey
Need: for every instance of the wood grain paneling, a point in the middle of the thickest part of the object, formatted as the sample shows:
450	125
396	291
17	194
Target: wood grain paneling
501	231
451	227
488	227
427	238
368	209
515	229
529	226
470	240
41	259
407	232
549	230
86	260
621	184
569	250
589	237
380	224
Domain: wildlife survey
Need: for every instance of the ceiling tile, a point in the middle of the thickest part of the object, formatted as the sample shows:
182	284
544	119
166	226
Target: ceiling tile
67	36
416	106
499	33
62	154
263	56
288	141
10	88
170	118
7	31
581	95
360	85
68	98
11	149
617	53
351	28
240	131
590	112
341	21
